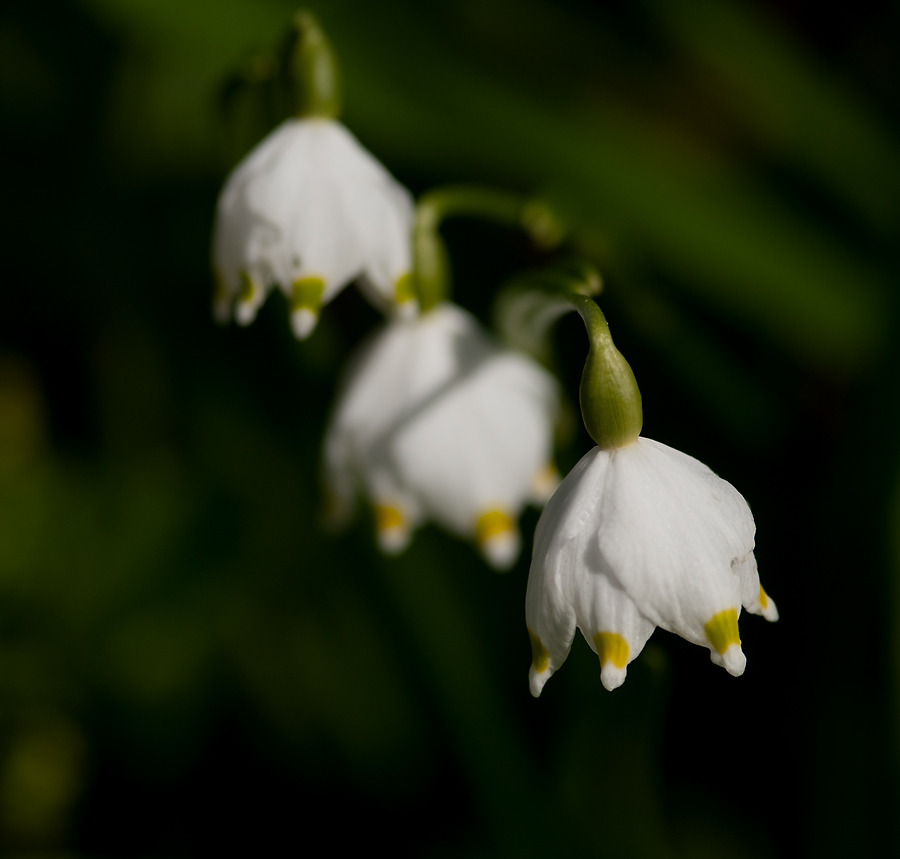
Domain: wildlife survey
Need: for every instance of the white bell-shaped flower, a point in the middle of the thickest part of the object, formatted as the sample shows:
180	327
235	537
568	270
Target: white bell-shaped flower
635	538
436	421
310	210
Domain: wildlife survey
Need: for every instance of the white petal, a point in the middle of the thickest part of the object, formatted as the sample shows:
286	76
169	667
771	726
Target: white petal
478	445
502	550
394	541
753	597
668	530
403	366
769	609
556	563
396	511
544	483
247	308
303	322
407	310
611	624
234	220
390	240
393	527
386	299
564	574
732	660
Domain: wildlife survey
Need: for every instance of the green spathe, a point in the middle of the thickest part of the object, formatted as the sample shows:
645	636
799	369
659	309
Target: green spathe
609	396
313	79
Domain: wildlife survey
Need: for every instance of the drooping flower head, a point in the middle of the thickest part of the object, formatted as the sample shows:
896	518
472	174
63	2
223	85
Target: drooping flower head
438	422
637	536
309	210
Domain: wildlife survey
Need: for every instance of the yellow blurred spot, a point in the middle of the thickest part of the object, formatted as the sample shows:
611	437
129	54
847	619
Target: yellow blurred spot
722	630
404	288
388	518
540	659
763	599
306	294
545	481
492	523
611	647
249	289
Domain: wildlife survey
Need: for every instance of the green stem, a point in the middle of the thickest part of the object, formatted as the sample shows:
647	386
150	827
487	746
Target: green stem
431	261
470	200
526	307
609	396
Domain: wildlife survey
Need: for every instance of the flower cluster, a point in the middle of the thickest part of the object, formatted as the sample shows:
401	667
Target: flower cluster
436	421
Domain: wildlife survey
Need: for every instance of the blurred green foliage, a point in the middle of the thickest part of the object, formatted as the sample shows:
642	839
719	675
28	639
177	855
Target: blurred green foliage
189	664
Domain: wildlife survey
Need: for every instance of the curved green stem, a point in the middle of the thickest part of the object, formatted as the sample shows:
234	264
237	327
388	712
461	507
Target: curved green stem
574	277
471	200
609	396
430	258
527	306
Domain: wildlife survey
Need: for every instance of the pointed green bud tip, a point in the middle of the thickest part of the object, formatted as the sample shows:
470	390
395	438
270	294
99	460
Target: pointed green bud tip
313	79
609	396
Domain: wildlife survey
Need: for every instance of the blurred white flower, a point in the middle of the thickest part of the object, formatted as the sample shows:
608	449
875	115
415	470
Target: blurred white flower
437	422
634	538
310	210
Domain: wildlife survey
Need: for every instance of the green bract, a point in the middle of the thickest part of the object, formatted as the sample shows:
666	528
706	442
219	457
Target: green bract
313	79
609	396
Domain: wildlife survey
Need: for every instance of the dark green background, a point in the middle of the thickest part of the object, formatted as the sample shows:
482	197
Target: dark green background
188	664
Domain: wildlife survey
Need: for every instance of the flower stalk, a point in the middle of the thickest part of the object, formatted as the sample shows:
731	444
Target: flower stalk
528	306
431	261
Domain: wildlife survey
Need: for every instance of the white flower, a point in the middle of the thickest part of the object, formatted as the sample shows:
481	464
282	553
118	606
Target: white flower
310	210
634	538
437	422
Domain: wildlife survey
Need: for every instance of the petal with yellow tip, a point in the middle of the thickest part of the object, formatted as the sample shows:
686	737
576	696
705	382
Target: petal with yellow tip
498	537
392	528
724	638
250	299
